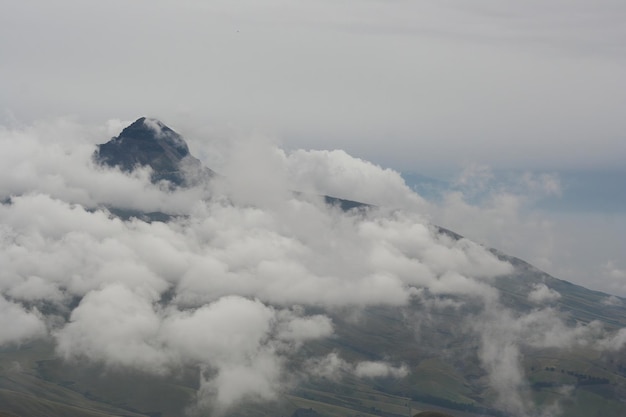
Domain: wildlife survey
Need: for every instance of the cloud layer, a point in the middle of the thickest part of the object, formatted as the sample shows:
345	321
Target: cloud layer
228	284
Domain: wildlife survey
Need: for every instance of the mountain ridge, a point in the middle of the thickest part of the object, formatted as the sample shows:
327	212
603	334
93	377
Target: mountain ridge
150	143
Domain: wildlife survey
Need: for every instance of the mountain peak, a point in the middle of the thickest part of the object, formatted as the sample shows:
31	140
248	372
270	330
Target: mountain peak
148	129
149	142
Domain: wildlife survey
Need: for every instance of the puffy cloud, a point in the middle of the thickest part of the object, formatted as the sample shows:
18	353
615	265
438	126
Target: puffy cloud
615	342
19	325
34	288
249	272
259	379
230	336
379	370
541	293
54	158
612	300
304	328
338	174
229	330
330	366
116	326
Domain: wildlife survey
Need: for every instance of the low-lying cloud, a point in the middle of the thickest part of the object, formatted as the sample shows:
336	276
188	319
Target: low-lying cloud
333	367
226	285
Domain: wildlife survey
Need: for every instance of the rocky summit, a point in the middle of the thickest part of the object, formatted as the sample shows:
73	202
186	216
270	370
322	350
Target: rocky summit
150	143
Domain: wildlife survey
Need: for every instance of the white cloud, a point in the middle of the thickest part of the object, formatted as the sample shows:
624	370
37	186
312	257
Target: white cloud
338	174
303	328
612	301
237	382
615	342
116	326
227	331
505	213
379	370
228	286
19	325
541	293
333	367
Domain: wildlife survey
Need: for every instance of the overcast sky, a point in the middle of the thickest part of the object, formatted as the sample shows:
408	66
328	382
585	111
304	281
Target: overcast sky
409	84
444	88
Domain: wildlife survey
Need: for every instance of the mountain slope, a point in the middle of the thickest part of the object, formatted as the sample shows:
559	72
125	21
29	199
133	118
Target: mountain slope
150	143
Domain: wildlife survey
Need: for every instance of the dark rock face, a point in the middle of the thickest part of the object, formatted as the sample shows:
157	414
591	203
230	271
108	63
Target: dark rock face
148	142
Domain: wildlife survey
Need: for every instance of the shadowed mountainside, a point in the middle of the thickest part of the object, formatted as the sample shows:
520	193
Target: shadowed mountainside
150	143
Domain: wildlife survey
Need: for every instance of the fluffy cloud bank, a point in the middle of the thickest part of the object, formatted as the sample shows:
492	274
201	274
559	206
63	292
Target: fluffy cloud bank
230	282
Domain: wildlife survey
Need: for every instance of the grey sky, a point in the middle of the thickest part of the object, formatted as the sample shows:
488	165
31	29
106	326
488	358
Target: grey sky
407	84
426	86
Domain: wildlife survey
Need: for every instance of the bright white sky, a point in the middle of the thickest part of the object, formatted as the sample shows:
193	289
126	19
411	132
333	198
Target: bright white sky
434	87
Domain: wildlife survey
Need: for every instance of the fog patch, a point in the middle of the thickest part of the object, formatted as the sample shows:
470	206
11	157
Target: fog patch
333	367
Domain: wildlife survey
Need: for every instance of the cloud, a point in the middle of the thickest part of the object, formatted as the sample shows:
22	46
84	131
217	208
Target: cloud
234	383
247	273
19	325
333	367
612	301
54	158
615	343
504	335
379	370
116	326
300	329
511	211
338	174
330	366
211	331
541	293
